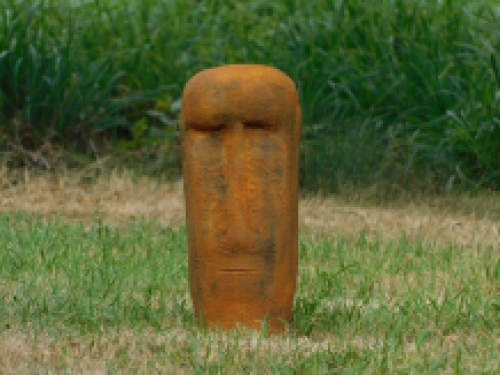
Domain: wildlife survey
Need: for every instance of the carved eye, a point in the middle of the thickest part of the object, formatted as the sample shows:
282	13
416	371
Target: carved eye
214	127
258	125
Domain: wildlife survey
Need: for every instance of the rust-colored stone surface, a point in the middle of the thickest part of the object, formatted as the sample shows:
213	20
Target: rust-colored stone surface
240	127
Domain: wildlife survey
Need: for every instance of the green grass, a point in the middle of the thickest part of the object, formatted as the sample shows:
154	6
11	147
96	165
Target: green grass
81	297
398	92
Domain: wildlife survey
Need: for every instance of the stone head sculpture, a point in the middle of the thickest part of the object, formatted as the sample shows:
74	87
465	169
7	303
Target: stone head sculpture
240	127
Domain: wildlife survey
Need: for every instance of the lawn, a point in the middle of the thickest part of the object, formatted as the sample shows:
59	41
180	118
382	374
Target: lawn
107	292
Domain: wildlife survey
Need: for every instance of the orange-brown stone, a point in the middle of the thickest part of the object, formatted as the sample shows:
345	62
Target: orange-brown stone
240	127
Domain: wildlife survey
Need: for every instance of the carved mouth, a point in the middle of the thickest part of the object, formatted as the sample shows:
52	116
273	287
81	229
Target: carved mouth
238	271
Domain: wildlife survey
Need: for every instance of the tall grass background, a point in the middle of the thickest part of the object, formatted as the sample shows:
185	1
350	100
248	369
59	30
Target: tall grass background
396	93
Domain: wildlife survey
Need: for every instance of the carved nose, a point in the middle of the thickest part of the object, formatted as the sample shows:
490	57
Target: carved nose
236	195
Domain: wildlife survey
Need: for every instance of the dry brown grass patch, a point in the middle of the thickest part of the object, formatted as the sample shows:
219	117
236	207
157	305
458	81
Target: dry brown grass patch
117	197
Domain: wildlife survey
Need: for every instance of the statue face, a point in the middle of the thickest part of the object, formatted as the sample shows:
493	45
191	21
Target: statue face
240	130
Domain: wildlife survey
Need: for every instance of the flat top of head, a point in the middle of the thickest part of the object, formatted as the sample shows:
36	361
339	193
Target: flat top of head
244	73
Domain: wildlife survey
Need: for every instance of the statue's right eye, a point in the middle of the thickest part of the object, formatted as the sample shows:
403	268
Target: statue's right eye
258	125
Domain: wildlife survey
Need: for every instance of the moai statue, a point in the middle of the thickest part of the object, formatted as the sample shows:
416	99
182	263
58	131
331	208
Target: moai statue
240	127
